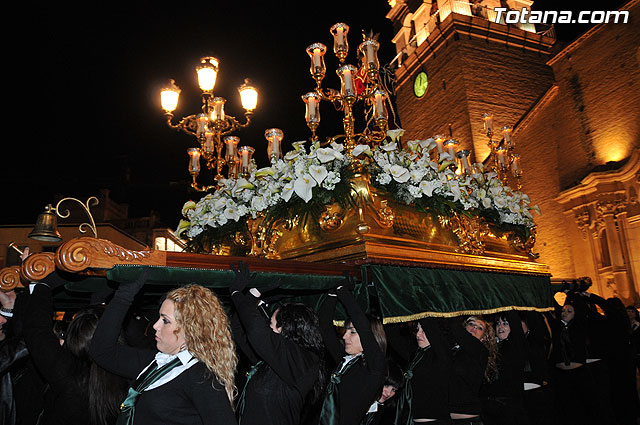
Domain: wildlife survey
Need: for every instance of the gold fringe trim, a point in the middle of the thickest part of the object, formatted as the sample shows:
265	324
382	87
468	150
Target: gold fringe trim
418	316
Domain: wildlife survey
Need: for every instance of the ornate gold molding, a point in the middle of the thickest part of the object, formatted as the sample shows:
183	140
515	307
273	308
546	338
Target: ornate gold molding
90	253
38	266
10	278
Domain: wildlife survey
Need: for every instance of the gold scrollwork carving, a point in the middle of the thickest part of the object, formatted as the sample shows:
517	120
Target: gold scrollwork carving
332	218
525	245
469	230
10	278
38	266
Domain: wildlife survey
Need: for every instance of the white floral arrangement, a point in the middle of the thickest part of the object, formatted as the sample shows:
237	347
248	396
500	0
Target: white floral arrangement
297	176
409	174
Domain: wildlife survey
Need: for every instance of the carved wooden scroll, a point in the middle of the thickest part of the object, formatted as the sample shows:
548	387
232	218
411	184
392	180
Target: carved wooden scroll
84	253
38	266
10	278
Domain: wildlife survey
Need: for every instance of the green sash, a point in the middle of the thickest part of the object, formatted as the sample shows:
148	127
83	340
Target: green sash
250	373
404	415
151	375
329	413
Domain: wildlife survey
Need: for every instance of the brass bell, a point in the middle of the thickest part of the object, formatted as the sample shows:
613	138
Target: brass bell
46	228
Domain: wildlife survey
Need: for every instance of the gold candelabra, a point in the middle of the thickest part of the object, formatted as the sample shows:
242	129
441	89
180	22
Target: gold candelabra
356	84
212	126
503	157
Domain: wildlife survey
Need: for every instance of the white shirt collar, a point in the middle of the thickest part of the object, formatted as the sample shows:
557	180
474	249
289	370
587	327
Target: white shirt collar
184	356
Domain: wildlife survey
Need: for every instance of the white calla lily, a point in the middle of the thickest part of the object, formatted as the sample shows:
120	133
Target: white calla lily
189	205
399	173
395	134
318	172
361	149
303	187
266	171
325	155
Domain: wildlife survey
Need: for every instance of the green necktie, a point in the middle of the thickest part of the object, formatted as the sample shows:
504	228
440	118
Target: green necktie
329	414
404	414
241	400
151	375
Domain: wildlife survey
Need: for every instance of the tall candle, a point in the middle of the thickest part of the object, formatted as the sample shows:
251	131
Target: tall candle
194	160
202	124
340	36
501	158
317	60
439	142
208	143
231	142
380	111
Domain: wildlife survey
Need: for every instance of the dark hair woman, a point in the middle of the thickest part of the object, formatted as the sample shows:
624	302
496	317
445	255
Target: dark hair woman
356	382
79	391
424	395
190	379
503	398
473	360
287	376
576	401
382	411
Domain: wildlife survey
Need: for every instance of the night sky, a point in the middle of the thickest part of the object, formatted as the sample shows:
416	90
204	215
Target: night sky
87	113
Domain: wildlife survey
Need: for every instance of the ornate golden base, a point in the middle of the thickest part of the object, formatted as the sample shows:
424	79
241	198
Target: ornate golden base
382	230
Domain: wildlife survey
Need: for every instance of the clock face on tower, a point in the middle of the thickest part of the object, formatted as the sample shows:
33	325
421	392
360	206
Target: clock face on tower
420	84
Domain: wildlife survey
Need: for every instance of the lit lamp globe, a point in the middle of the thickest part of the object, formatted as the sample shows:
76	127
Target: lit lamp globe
169	97
274	136
207	72
248	95
316	53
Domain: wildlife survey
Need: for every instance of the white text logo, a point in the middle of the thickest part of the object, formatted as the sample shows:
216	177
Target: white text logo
525	16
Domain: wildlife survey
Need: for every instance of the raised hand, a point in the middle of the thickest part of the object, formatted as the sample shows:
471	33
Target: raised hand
241	279
348	283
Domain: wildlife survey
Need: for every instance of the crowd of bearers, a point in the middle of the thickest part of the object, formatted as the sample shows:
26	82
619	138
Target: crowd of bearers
574	365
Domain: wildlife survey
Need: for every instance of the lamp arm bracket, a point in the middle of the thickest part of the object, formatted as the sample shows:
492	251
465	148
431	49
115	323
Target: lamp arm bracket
91	202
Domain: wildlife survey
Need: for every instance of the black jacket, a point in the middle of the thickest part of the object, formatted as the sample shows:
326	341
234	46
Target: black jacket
362	384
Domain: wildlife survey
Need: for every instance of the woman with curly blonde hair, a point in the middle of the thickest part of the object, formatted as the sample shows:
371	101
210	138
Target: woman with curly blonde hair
473	361
190	379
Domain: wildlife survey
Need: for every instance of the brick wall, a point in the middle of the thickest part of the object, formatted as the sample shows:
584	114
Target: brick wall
468	77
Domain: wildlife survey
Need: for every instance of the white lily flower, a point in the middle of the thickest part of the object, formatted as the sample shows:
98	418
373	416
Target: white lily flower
327	154
399	173
361	149
182	226
291	155
266	171
220	204
428	144
318	172
231	213
413	145
241	185
427	186
395	134
287	191
338	147
500	201
416	175
299	146
189	205
258	203
389	147
303	186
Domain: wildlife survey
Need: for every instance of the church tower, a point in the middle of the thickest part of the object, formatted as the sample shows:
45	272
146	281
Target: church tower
455	62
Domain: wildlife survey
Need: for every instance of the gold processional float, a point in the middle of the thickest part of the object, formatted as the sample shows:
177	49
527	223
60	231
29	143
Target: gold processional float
359	197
